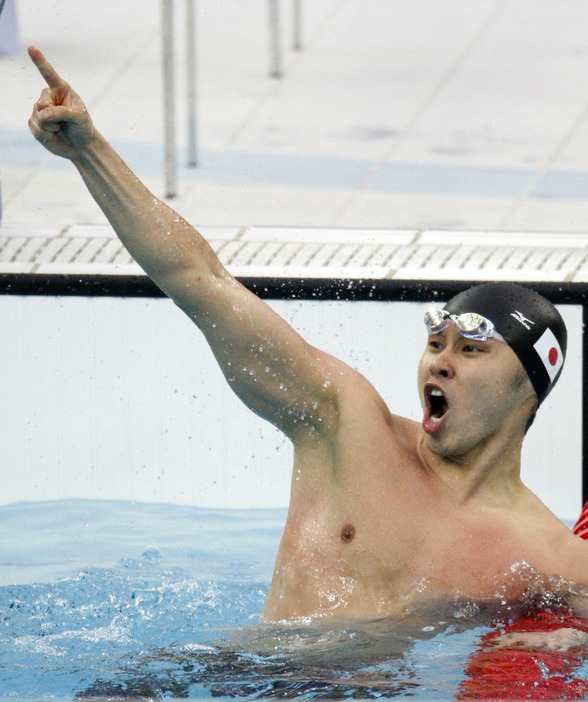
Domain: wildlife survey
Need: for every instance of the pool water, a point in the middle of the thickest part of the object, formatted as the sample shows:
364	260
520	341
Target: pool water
109	600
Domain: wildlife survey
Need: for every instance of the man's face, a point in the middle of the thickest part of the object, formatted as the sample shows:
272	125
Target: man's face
470	391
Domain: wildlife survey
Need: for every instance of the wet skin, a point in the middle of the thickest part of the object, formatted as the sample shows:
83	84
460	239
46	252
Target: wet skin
438	508
384	511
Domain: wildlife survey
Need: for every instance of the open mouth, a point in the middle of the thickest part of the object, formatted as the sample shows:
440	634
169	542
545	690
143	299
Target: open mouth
436	408
438	403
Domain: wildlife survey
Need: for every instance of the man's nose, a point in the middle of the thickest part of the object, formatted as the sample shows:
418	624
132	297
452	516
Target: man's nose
442	364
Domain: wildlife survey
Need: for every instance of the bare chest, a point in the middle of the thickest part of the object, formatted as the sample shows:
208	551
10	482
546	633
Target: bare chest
366	561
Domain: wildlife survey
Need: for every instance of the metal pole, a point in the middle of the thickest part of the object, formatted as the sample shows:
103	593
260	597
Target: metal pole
275	53
297	25
167	30
191	81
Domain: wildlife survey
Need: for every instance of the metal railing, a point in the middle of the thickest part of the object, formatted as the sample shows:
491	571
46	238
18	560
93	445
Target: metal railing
168	75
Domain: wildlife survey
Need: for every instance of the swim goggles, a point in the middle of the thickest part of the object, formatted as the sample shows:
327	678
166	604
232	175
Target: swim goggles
469	324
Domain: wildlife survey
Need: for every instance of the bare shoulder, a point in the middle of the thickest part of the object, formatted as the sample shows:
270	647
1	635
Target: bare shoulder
556	542
364	449
574	554
355	394
577	559
361	408
537	518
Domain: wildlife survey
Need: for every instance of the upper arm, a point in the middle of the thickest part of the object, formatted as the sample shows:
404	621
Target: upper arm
579	577
579	562
267	363
572	552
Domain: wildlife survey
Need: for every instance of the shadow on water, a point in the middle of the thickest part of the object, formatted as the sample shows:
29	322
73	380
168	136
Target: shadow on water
423	656
289	663
241	675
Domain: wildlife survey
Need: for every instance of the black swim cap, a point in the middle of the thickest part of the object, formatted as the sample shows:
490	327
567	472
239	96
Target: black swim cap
529	323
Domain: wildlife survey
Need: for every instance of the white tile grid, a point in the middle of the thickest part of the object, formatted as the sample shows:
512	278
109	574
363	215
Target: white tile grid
315	253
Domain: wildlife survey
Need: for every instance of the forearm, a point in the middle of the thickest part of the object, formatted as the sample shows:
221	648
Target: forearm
259	352
161	241
170	251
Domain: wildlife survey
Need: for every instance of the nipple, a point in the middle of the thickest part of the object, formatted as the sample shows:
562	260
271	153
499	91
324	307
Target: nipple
347	533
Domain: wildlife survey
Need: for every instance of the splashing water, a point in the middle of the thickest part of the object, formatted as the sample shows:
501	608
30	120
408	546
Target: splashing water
119	600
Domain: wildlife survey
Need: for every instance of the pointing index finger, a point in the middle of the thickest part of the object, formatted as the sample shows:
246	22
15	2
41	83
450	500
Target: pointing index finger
52	78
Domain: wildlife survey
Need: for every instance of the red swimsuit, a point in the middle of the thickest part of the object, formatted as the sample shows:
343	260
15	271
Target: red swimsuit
581	528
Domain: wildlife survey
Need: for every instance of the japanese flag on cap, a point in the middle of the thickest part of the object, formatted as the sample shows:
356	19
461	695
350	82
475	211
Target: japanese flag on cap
528	322
550	353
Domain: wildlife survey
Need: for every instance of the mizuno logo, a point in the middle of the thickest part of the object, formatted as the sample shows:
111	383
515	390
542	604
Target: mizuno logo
520	317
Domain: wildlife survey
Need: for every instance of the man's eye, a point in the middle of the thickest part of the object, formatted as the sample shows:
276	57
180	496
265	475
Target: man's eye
470	348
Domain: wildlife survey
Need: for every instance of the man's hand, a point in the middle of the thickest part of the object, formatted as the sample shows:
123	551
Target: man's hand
60	121
557	641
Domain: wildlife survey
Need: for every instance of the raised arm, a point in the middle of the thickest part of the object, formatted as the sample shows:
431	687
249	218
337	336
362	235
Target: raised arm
274	371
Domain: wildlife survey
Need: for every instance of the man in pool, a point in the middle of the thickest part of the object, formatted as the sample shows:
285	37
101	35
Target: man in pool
385	512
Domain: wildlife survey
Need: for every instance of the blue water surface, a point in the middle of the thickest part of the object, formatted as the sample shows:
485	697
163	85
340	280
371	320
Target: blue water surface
89	588
114	600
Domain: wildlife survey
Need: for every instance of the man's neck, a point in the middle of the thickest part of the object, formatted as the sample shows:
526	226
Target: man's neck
490	474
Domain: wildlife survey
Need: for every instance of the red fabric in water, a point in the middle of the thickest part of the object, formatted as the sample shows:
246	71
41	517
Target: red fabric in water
511	674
